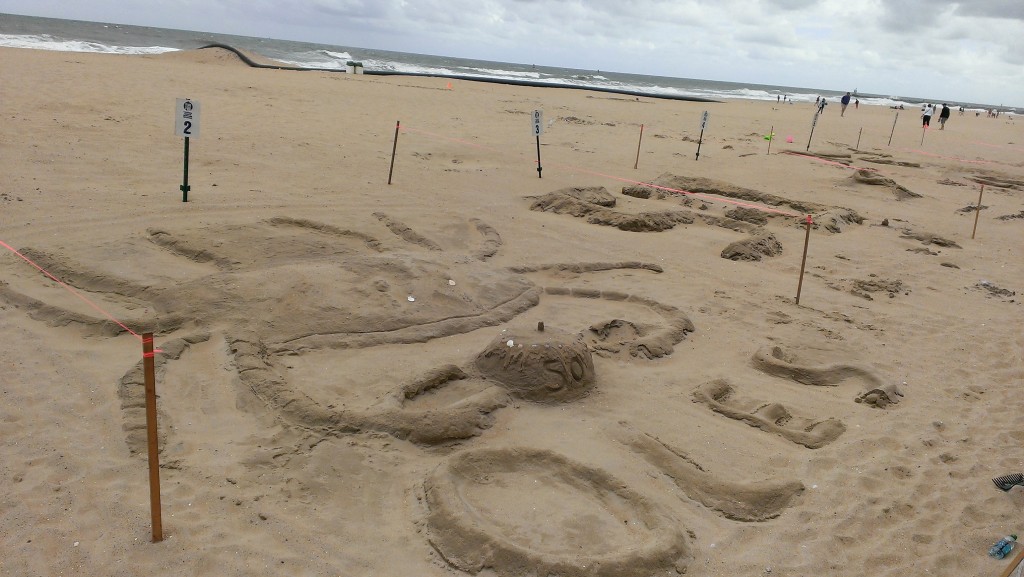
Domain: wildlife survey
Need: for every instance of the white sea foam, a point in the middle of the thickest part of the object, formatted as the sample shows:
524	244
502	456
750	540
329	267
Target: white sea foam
46	42
497	73
327	58
338	55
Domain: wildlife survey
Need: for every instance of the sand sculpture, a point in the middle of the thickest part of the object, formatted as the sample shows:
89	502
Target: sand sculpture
254	267
623	534
598	206
545	365
302	277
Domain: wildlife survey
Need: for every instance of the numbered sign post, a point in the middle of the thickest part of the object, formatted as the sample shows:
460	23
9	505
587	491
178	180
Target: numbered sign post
538	129
186	124
703	125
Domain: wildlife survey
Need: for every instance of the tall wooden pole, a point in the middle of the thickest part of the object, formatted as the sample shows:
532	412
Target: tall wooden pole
149	370
813	124
1013	564
394	147
803	261
637	163
977	211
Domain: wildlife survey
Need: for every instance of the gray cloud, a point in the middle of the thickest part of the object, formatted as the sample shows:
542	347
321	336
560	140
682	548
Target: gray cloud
970	49
992	8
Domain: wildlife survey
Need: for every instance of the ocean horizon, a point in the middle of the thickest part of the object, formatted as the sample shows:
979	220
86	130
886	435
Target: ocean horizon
33	32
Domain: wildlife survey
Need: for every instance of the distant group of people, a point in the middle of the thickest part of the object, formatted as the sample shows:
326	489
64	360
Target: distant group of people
928	110
821	102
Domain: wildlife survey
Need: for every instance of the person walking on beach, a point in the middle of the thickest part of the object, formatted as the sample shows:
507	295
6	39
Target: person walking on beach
821	105
943	117
845	101
926	115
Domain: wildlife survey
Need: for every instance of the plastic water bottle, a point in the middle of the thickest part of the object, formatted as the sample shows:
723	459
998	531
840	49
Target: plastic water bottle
1003	547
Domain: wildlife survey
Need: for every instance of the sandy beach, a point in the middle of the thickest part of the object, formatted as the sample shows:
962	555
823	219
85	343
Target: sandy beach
352	378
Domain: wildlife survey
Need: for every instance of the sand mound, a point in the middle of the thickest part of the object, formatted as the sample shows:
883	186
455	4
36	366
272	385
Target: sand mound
524	512
881	397
777	362
872	178
724	189
890	161
998	180
746	501
216	55
754	248
774	418
595	205
548	365
927	238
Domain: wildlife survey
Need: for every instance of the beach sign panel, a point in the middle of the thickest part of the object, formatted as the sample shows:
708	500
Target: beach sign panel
186	118
538	122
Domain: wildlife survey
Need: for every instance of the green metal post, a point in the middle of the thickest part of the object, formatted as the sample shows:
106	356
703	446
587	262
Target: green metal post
184	186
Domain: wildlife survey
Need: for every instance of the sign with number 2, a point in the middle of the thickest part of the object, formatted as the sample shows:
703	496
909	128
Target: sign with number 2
186	118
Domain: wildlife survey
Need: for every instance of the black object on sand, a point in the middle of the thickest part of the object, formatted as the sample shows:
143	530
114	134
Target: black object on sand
1006	482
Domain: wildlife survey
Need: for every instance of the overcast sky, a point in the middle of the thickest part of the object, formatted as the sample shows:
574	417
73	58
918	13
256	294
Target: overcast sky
971	50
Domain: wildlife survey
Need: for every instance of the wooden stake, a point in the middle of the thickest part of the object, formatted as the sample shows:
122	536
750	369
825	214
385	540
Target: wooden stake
977	211
771	136
149	370
858	138
398	124
803	261
635	164
813	124
893	131
1013	564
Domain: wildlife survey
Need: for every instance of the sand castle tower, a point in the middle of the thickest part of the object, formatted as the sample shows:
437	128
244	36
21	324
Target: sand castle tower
544	365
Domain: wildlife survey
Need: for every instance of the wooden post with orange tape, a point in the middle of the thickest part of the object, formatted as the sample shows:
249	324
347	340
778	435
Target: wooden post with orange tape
149	370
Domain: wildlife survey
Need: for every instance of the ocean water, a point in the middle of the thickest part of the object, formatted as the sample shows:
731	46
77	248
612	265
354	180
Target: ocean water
77	36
